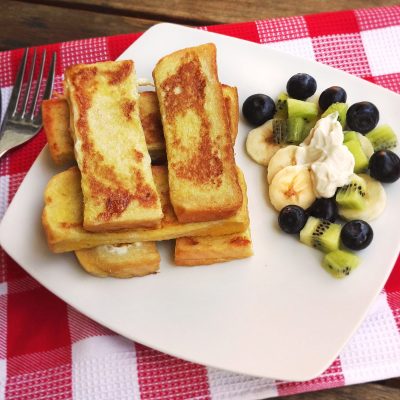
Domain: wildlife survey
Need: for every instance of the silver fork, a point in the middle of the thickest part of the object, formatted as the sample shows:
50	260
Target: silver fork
20	126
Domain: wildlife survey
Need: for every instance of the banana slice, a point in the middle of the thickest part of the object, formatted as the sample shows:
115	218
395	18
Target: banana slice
281	159
375	202
260	143
366	145
292	185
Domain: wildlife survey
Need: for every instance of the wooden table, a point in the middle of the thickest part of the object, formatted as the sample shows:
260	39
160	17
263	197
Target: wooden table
33	22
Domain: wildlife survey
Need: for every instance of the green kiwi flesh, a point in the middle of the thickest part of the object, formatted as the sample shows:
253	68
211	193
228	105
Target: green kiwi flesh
281	106
382	137
321	234
360	159
349	135
352	195
279	130
295	130
340	263
292	130
303	109
341	108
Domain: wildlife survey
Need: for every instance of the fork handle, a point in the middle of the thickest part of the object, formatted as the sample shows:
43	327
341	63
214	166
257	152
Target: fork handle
4	147
7	142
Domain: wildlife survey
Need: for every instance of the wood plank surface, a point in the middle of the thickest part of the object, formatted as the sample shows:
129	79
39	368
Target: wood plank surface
33	22
214	12
24	24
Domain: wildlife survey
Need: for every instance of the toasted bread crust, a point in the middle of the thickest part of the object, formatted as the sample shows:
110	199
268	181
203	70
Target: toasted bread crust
202	173
231	100
55	114
150	117
110	148
62	217
207	250
123	261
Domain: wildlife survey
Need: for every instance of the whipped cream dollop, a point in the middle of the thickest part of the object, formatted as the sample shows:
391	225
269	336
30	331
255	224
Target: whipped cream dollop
330	161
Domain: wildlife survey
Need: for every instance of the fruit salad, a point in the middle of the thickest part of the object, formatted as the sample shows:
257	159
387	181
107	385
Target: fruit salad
326	164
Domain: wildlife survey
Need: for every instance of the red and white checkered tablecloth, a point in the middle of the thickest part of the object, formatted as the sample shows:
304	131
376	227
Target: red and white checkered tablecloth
48	350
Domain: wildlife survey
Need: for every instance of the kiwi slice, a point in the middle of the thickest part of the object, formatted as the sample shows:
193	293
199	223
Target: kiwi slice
308	126
321	234
292	130
295	130
352	195
279	130
350	135
281	106
303	109
341	108
340	263
360	159
382	137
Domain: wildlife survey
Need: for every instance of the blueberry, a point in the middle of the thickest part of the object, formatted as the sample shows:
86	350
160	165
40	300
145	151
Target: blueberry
384	166
324	209
334	94
356	235
258	108
362	117
301	86
292	219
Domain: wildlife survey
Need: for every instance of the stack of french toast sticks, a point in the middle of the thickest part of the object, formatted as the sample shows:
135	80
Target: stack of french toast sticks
114	206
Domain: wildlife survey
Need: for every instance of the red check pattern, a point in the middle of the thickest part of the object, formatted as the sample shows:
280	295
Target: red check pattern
48	350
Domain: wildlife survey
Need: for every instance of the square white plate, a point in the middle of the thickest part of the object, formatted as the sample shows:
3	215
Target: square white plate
277	314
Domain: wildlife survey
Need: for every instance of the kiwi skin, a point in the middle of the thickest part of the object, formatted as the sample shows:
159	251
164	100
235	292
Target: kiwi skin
340	263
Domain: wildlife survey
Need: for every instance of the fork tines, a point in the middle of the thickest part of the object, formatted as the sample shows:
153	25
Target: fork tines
24	114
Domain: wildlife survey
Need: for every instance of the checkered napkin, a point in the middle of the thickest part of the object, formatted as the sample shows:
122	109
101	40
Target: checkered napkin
48	350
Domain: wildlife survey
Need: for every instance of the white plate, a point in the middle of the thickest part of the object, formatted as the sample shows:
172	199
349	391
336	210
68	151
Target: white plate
277	314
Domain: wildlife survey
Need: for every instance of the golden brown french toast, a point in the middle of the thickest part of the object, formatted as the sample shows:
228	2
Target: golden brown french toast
150	118
55	114
201	167
110	149
231	101
56	124
212	249
122	261
63	210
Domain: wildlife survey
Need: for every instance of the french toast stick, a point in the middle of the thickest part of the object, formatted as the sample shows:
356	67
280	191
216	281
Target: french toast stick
62	217
207	250
55	115
110	149
150	118
125	261
201	167
231	101
56	124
